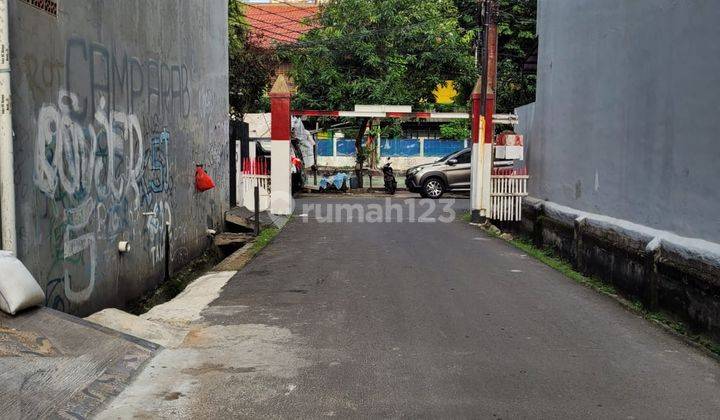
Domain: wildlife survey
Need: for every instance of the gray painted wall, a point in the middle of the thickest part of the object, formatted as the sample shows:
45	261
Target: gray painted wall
114	103
626	121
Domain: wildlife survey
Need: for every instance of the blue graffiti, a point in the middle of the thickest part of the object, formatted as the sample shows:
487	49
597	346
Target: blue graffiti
156	167
159	167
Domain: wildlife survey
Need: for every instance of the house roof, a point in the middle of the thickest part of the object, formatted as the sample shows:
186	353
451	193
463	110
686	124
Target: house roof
279	23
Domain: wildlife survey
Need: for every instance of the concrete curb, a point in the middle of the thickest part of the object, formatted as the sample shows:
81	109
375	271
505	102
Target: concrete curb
237	260
166	324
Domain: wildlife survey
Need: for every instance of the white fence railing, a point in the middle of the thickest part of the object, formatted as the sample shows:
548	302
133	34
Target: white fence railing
255	172
506	197
249	181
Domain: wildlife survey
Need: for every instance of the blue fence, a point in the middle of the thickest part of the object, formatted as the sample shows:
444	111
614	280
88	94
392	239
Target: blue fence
442	147
324	147
400	147
395	147
345	147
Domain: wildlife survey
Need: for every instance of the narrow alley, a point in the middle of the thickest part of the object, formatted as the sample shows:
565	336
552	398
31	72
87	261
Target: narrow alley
299	209
438	320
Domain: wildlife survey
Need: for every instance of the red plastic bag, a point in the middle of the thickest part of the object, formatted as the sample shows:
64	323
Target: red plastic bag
203	182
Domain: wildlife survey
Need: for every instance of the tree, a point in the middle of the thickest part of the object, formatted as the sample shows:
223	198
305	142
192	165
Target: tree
457	130
251	66
380	52
516	43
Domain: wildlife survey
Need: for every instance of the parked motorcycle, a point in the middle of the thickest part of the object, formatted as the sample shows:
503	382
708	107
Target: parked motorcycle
389	177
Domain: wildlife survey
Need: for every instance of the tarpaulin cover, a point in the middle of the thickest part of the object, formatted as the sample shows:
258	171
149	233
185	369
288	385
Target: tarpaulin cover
337	180
305	139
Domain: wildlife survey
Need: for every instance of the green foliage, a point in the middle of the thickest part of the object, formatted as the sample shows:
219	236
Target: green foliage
392	130
468	19
250	67
382	52
266	236
516	43
453	107
550	258
456	130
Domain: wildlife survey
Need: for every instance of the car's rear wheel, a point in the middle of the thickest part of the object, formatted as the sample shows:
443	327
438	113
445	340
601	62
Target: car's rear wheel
434	188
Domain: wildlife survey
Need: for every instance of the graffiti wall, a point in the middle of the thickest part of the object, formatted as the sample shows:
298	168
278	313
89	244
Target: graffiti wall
115	102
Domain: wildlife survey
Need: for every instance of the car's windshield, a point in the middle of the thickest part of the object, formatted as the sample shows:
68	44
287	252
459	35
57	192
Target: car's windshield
444	158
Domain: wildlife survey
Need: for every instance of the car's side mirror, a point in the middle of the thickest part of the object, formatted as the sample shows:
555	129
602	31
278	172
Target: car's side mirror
452	162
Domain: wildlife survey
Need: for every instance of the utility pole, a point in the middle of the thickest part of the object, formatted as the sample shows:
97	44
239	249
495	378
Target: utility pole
482	152
476	154
490	67
478	22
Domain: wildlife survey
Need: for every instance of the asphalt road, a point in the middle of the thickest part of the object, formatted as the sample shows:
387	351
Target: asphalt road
438	320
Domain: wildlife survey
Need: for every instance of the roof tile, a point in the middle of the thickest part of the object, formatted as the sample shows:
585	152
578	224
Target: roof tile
279	23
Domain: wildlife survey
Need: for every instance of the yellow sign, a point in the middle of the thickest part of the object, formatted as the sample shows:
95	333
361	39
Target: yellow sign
445	93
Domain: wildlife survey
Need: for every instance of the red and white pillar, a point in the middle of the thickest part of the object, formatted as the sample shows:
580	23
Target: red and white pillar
281	200
481	160
476	160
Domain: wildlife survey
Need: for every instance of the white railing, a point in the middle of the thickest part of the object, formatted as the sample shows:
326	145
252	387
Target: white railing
249	181
506	197
256	172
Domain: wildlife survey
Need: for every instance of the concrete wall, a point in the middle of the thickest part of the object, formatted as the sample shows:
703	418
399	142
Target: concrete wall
115	101
526	117
626	118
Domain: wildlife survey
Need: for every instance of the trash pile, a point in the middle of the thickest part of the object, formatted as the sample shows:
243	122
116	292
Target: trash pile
334	183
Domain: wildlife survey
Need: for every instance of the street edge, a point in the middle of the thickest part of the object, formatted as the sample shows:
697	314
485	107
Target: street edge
250	250
494	232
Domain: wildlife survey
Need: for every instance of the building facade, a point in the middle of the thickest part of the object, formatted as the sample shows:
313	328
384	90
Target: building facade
114	104
625	121
622	151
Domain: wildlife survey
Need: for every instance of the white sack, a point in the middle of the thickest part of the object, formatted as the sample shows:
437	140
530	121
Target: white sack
18	288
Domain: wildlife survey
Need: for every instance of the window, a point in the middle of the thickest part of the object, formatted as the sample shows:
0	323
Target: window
463	157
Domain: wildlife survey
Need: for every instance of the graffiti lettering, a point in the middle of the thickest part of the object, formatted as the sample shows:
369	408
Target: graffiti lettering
99	170
102	158
93	68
